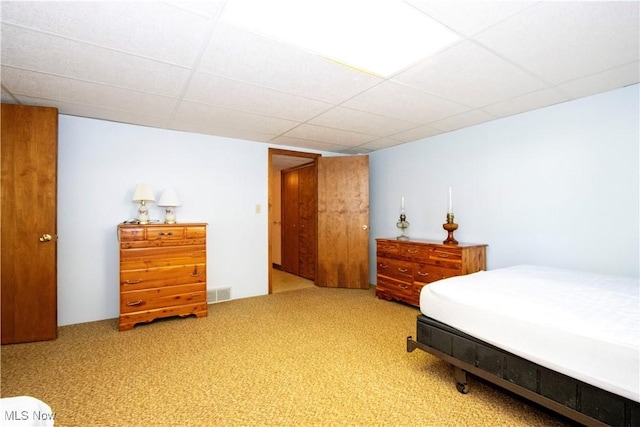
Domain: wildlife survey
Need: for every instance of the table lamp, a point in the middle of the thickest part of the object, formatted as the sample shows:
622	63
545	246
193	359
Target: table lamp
169	200
143	195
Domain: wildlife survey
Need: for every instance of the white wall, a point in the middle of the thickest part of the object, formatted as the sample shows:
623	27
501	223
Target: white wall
558	186
220	182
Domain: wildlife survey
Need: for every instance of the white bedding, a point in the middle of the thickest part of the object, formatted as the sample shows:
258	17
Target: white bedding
583	325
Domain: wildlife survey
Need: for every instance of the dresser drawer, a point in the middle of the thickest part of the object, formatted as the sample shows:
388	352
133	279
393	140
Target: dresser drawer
388	248
138	258
402	270
415	252
397	287
162	276
167	296
447	257
427	273
196	232
165	233
131	234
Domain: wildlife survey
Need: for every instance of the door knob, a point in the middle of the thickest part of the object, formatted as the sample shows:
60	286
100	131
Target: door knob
45	238
365	227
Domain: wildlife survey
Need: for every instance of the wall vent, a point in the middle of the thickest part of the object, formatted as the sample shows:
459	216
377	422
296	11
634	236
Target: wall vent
218	294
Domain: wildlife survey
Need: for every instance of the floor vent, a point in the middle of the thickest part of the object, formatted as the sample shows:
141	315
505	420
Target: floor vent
218	294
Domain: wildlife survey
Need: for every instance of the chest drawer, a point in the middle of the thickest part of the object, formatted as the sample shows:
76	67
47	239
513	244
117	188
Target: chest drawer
162	276
395	286
138	258
195	232
131	234
388	249
398	269
167	296
165	233
427	273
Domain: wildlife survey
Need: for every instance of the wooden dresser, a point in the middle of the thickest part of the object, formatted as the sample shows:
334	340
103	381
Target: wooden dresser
405	266
163	271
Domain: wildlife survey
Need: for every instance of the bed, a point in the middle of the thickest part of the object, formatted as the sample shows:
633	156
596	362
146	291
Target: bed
566	340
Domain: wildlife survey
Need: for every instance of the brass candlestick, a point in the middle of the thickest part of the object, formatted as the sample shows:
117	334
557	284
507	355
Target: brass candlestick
403	224
450	226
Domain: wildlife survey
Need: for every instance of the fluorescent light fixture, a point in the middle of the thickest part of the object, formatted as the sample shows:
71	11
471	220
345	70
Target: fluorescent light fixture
375	36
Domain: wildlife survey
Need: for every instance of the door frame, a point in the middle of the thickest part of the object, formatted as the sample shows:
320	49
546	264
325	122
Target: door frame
270	169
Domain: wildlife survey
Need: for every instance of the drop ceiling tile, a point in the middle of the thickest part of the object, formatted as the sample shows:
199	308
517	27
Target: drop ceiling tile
466	119
471	75
380	143
561	41
528	102
329	135
192	112
404	103
217	130
241	55
361	121
60	89
147	28
417	133
30	50
8	97
209	9
601	82
469	17
218	91
98	113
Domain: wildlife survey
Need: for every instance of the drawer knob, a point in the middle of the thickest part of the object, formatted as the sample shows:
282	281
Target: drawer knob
165	234
132	303
412	251
381	265
442	255
402	270
422	274
132	282
195	272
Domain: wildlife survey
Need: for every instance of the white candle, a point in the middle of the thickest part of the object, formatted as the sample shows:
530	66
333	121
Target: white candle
402	202
450	202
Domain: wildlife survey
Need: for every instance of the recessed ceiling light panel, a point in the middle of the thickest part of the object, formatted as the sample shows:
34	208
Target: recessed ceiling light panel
375	36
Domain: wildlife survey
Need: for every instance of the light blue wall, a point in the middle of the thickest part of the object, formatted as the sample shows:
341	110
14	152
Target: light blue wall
557	186
220	182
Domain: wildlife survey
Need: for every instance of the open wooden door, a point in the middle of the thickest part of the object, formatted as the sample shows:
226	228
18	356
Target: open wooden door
29	170
343	222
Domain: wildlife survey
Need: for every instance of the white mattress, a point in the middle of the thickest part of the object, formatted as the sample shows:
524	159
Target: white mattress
583	325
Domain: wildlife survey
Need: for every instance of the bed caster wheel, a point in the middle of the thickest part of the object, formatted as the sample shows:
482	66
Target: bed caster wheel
462	388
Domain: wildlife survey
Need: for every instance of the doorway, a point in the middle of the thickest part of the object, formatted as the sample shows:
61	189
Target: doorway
280	160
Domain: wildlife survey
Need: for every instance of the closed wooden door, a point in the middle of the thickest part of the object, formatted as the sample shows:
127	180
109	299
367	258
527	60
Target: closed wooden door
343	222
29	168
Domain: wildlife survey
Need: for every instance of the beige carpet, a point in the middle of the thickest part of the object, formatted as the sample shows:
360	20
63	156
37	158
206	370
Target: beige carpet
314	356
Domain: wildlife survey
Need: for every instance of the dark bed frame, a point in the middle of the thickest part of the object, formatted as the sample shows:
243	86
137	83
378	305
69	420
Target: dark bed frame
564	395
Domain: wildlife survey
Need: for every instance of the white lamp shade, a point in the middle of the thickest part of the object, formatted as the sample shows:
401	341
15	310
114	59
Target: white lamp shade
169	197
143	193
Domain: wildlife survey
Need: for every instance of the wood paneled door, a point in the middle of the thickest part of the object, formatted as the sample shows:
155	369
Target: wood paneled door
343	222
299	220
29	169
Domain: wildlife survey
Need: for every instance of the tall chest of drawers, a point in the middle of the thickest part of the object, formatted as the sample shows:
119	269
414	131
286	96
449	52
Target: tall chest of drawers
163	272
405	266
